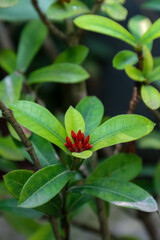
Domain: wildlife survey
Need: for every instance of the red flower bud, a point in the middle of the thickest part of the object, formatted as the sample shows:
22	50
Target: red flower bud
86	140
68	140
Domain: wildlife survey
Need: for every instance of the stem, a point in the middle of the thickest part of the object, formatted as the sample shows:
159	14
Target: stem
8	115
55	228
65	224
54	30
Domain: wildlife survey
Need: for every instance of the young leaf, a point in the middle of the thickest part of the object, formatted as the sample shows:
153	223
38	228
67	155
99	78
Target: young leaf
60	11
9	150
147	61
10	205
124	194
30	43
8	60
84	155
150	96
15	180
59	73
124	58
115	11
134	73
92	111
76	54
7	3
43	123
123	166
105	26
44	185
119	129
74	121
154	75
10	88
152	33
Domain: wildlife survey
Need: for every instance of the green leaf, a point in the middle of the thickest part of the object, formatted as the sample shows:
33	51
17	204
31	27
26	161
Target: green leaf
157	179
115	11
124	58
44	150
74	121
43	233
47	126
30	43
7	3
61	11
15	135
10	88
134	73
84	155
7	165
124	194
44	185
156	62
92	111
59	73
10	205
76	54
123	166
119	129
154	75
105	26
9	150
147	61
152	141
15	180
150	96
138	25
152	4
8	60
152	33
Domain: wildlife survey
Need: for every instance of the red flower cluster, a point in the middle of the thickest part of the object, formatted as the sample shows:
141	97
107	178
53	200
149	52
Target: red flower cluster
80	142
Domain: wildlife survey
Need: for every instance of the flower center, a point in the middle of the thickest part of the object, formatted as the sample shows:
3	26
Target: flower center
80	142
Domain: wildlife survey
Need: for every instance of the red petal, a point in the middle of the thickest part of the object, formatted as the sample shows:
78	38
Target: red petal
68	140
79	135
86	140
74	136
87	146
79	145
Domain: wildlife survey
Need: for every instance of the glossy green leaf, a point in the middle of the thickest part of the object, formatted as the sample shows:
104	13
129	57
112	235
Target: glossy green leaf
76	54
105	26
10	88
154	75
119	129
7	165
124	194
123	166
10	205
59	73
43	123
30	43
156	62
92	111
15	180
84	155
9	150
44	150
74	121
134	73
138	25
152	33
44	185
157	179
43	233
7	3
115	11
124	58
60	11
152	4
147	61
150	96
8	60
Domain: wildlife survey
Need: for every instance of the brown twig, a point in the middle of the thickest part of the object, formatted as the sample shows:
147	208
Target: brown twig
8	115
54	30
55	228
